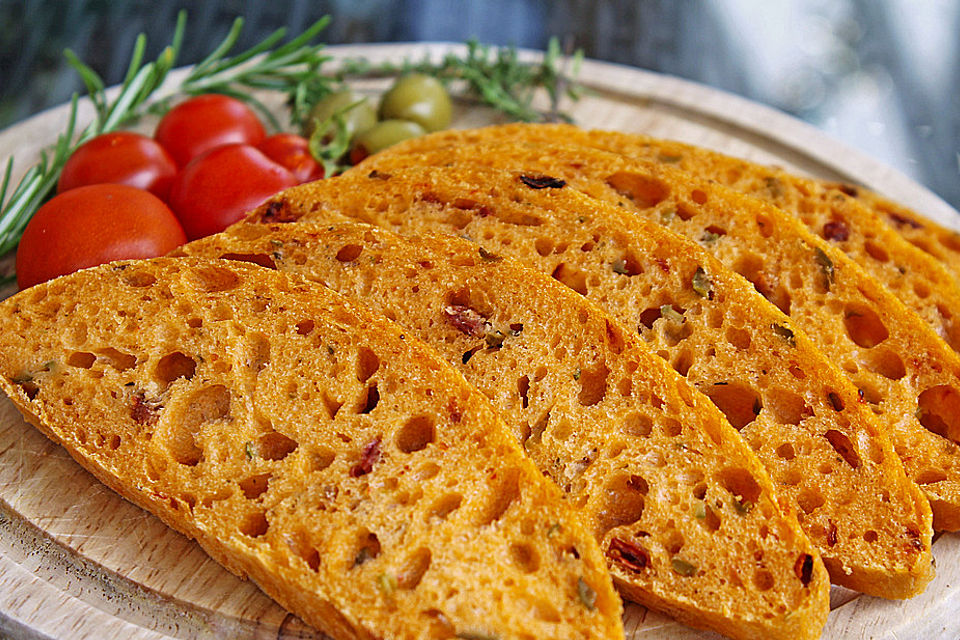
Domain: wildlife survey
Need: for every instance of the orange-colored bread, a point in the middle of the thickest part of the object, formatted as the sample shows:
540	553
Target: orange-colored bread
920	281
931	237
908	375
684	511
307	444
822	447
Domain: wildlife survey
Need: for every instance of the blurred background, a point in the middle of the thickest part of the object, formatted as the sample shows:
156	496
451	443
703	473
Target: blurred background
882	76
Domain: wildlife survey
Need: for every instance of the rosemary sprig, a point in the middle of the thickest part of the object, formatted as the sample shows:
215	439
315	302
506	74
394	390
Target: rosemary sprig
495	76
292	67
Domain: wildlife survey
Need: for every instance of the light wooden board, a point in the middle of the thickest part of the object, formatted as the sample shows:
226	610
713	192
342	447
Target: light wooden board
78	562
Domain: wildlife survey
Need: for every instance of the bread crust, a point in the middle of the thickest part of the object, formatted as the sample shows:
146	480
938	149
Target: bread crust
304	442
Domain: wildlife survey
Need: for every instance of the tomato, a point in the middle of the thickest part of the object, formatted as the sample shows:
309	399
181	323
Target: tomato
293	152
204	122
121	157
91	225
221	186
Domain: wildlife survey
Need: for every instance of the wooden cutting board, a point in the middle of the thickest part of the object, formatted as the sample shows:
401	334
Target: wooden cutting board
78	562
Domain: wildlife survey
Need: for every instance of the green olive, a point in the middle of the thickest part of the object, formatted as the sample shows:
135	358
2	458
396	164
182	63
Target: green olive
382	135
420	98
357	118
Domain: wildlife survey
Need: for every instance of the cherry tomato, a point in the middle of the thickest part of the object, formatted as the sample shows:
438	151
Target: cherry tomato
221	186
205	122
121	157
293	152
91	225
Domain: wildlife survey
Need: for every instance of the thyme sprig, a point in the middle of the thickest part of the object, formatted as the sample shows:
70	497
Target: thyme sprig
292	68
495	76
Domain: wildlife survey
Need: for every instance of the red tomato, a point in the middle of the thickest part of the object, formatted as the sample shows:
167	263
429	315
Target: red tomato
92	225
293	152
121	157
221	186
205	122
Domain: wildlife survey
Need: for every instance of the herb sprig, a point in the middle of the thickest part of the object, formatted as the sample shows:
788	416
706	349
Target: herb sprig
494	76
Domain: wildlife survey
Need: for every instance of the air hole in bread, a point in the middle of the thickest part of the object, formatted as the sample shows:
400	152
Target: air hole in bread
194	323
367	548
870	536
739	403
81	359
173	366
699	196
214	279
764	226
649	316
593	384
261	259
886	362
114	442
786	406
368	400
786	451
320	459
739	338
429	469
506	491
625	387
867	391
205	405
275	446
683	362
518	216
740	483
525	557
843	446
628	265
624	501
332	405
117	359
367	363
444	506
254	524
672	427
644	191
254	486
523	387
938	409
544	246
258	351
674	542
930	475
135	277
415	434
710	519
305	327
349	253
810	500
864	326
876	252
572	277
763	580
637	424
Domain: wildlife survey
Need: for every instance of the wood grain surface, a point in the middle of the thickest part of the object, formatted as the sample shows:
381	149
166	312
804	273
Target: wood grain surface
77	562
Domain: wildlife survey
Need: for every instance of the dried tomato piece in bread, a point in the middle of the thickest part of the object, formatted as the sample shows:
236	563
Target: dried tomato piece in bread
821	445
307	444
874	233
687	516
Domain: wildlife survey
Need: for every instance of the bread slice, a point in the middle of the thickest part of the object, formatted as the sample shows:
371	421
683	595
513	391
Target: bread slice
935	239
918	280
307	444
908	375
822	447
684	511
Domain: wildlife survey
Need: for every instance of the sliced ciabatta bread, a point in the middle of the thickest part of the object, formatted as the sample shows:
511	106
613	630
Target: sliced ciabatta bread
684	511
799	413
307	444
918	280
852	318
